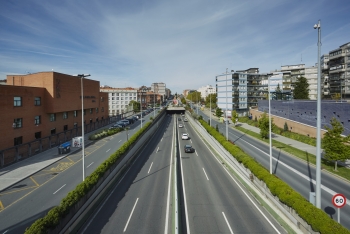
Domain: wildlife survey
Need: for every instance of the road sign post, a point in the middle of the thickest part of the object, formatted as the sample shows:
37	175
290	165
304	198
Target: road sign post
339	200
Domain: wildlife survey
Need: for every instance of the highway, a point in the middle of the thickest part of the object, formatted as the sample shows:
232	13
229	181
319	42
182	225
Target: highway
213	201
33	197
216	203
297	173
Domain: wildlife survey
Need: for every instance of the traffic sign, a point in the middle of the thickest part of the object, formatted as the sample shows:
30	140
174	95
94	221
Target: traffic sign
339	200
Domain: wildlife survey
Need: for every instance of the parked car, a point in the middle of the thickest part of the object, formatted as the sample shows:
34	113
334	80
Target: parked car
131	120
185	136
116	126
181	126
125	121
123	124
188	149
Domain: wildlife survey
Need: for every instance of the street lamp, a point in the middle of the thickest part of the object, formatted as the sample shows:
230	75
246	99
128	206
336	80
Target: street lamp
154	105
226	110
270	138
318	134
82	119
210	110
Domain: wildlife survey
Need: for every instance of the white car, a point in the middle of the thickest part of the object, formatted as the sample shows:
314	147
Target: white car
181	126
185	136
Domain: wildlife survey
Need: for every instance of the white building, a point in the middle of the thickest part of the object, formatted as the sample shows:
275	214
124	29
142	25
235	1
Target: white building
119	98
206	90
311	76
159	88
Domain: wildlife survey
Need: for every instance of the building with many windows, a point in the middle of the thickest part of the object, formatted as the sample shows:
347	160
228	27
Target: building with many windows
240	90
206	90
44	109
339	71
159	88
119	99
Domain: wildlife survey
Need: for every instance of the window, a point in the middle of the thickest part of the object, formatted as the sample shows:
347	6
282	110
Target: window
96	109
52	117
37	120
65	115
90	120
53	131
75	113
37	101
90	110
17	101
17	123
96	119
18	140
65	127
75	125
102	99
102	109
37	135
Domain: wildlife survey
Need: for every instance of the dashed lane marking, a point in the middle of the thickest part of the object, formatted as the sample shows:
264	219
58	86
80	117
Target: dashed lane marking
1	206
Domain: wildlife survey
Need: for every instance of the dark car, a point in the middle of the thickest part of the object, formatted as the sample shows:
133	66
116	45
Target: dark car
116	126
188	149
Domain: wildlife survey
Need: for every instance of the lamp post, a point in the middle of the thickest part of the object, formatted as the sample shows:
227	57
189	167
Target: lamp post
210	110
270	138
318	134
154	105
82	120
226	110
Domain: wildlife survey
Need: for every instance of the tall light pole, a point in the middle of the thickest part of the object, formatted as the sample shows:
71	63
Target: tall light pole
270	138
226	110
210	110
141	104
318	136
82	120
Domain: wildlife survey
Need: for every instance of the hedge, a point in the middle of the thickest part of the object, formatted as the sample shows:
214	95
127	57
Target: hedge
316	218
52	219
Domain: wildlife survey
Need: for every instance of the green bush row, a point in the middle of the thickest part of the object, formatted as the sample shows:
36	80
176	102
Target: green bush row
105	133
56	214
318	219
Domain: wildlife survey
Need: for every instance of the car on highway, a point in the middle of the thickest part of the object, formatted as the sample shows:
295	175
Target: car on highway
185	119
185	136
188	149
179	119
181	126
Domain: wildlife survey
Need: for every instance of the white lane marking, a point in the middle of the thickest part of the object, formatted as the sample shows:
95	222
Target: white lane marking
5	231
150	168
108	150
119	141
252	201
59	189
294	170
126	226
161	139
205	174
191	141
184	192
196	153
90	164
158	149
227	222
168	199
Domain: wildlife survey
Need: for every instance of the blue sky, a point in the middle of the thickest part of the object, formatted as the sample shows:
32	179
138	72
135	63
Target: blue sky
184	44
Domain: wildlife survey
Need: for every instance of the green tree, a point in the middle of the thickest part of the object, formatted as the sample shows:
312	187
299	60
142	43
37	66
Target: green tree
336	148
218	112
301	89
264	125
234	117
183	100
285	128
135	105
211	98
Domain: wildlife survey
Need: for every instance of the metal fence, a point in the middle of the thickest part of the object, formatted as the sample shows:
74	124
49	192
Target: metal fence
26	150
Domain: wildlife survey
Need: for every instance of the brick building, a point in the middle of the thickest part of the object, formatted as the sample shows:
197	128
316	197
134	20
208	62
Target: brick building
47	105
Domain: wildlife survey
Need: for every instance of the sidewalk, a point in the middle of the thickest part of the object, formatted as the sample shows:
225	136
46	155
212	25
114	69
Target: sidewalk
293	143
16	172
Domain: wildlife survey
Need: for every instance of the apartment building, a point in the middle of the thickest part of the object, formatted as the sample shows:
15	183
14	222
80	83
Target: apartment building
311	76
42	109
206	90
325	76
159	88
119	99
339	71
241	90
